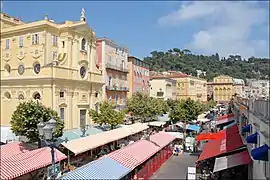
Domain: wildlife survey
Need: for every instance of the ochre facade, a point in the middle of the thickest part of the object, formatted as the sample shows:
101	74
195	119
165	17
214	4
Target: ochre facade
223	88
190	87
52	63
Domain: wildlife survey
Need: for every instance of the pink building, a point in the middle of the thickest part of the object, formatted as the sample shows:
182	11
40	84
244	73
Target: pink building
139	76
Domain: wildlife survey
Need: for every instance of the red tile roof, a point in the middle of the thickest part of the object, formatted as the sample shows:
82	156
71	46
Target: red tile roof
178	75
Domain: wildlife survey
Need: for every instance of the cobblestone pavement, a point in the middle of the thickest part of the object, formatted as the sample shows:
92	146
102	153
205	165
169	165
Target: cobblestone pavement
176	167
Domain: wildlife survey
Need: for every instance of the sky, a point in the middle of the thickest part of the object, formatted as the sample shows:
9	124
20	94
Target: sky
225	27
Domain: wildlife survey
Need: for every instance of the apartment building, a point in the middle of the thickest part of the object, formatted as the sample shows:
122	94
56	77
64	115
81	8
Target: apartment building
113	60
258	88
223	88
162	87
190	87
139	76
238	87
52	63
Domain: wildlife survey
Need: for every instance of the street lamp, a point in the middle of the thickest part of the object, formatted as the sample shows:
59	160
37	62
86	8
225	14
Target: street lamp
46	130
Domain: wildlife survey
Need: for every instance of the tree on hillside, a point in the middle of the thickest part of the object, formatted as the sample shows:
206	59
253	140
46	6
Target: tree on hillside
185	61
144	107
27	115
107	115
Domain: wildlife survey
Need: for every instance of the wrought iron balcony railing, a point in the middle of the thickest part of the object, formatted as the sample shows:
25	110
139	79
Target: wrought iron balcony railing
118	68
117	88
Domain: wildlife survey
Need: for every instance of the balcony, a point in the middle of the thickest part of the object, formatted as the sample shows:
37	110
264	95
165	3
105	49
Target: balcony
117	68
117	88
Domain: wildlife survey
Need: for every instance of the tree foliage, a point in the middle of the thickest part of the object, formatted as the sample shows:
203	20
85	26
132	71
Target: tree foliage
107	115
185	61
186	110
145	107
27	115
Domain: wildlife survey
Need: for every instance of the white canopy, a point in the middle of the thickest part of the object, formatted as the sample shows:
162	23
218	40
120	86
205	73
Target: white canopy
203	120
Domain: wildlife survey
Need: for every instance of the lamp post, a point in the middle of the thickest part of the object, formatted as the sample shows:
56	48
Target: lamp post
46	130
84	128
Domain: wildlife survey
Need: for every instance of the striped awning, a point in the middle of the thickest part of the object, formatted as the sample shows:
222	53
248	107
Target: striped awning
12	149
162	139
23	163
103	168
134	154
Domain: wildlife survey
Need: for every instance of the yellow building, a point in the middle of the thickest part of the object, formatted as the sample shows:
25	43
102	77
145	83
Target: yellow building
51	63
162	87
223	88
190	87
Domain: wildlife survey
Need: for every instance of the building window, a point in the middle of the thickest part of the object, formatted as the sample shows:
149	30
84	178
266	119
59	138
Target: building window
35	39
191	82
63	44
62	94
116	98
96	107
83	45
109	98
96	95
62	113
54	56
83	117
21	41
7	43
110	79
55	40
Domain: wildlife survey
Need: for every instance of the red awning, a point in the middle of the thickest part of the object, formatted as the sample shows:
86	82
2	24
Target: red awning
218	135
220	146
232	161
226	116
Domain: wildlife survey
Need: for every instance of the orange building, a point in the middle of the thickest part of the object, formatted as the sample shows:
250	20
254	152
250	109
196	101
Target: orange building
113	61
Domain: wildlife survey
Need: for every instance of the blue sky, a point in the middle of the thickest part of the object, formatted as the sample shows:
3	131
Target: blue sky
203	27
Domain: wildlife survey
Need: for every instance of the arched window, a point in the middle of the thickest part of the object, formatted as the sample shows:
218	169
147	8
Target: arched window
37	96
83	44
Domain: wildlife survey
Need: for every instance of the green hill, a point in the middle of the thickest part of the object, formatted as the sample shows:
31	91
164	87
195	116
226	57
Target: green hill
185	61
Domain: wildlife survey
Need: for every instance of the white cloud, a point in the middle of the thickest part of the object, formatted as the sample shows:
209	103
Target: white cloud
226	27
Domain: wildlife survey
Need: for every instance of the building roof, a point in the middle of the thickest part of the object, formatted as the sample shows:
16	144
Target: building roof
103	168
178	75
23	163
87	143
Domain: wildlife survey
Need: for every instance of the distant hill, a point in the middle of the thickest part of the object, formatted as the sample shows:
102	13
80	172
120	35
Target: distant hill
185	61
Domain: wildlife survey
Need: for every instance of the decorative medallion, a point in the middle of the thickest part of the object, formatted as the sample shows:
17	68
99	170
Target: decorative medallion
37	68
82	71
21	69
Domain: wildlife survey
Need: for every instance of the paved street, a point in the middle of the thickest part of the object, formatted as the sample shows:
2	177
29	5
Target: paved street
176	167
